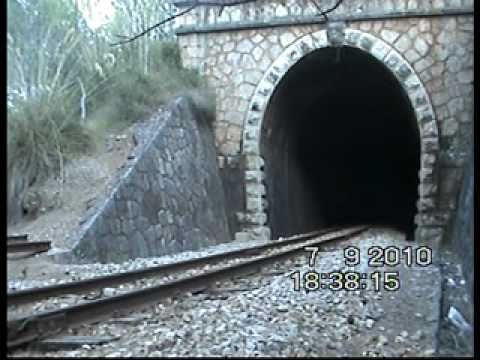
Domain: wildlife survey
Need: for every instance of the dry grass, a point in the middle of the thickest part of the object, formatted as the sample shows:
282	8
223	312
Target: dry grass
44	133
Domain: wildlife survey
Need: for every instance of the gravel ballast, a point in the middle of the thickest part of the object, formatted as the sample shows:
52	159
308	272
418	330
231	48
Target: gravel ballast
262	315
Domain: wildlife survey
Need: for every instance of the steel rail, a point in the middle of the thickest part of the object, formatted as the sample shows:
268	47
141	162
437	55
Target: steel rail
28	295
41	325
21	256
26	246
17	238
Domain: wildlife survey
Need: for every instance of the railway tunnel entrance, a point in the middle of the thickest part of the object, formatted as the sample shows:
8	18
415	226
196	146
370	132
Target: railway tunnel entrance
341	145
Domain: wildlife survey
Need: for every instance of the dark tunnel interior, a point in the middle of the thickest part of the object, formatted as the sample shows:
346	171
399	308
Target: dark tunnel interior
341	146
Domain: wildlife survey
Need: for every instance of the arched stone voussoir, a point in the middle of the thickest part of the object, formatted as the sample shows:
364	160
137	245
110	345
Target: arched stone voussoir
382	51
254	162
352	37
319	39
393	61
369	43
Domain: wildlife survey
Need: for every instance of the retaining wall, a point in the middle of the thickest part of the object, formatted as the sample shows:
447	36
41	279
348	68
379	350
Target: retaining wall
168	198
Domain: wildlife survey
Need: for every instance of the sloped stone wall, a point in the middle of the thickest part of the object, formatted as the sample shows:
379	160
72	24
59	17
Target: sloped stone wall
231	172
168	198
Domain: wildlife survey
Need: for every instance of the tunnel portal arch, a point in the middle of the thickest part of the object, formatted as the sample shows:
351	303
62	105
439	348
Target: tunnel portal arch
256	220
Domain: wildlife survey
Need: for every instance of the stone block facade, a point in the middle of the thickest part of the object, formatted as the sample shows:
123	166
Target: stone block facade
462	230
428	45
168	198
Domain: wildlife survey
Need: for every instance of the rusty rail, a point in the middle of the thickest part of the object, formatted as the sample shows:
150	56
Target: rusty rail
20	297
27	246
41	325
16	238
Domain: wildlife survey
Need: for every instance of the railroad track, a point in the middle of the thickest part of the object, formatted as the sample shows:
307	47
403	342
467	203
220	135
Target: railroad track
27	246
21	297
20	244
16	238
26	329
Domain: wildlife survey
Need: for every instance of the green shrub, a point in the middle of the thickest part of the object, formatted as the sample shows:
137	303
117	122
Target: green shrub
133	95
169	53
42	134
45	132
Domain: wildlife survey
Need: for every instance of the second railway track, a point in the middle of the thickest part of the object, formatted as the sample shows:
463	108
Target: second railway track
186	277
21	246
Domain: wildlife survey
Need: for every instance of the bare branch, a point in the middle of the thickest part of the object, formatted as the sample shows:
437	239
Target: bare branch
152	27
192	4
324	13
182	3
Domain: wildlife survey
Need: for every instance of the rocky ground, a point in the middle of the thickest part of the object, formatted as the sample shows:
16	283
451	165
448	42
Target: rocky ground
456	332
262	315
40	271
85	181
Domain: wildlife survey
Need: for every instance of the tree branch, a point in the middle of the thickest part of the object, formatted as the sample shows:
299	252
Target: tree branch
130	39
192	4
180	3
324	13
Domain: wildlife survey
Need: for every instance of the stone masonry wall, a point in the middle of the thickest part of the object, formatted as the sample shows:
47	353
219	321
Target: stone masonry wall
231	172
168	198
462	233
272	12
439	49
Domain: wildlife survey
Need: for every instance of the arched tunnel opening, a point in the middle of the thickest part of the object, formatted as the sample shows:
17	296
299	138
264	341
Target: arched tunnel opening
341	146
